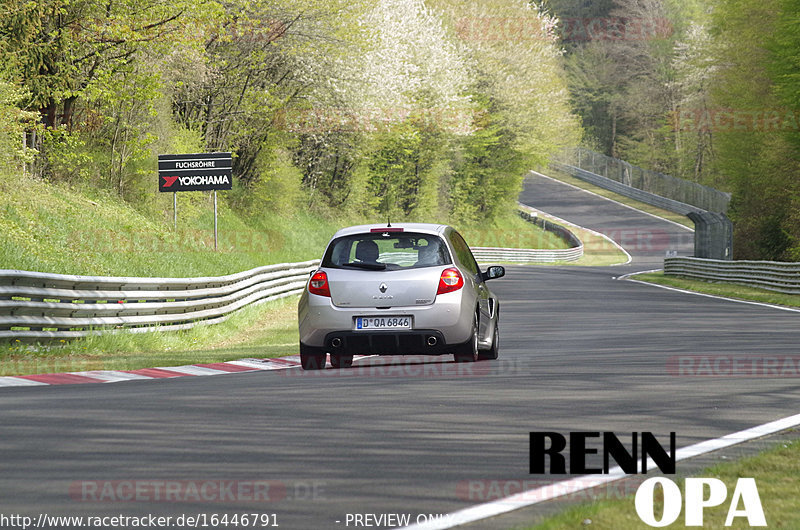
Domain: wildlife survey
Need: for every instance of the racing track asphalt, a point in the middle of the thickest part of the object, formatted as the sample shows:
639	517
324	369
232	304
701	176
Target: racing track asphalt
580	351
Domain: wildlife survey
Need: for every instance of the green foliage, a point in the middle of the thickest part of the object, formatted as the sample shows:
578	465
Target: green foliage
278	190
713	98
784	70
342	109
756	160
13	124
403	170
785	67
489	176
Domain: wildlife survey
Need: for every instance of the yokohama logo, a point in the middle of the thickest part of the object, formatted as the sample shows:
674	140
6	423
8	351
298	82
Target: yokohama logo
205	180
195	172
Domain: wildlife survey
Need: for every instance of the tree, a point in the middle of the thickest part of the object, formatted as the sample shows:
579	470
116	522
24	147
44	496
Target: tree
521	110
754	157
57	47
13	125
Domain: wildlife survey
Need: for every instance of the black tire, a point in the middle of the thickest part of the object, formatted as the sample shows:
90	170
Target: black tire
492	353
312	358
339	360
468	352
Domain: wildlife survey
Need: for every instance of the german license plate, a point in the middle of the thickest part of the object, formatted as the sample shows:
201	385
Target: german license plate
383	322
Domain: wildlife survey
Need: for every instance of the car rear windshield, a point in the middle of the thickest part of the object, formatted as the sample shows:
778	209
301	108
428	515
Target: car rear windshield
386	251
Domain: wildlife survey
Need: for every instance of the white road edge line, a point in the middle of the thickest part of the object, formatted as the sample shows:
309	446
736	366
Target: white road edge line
579	227
627	278
560	489
612	200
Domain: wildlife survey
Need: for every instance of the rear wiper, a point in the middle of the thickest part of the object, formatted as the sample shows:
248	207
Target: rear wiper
368	266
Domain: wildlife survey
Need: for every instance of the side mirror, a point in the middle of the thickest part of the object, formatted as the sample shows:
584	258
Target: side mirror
495	271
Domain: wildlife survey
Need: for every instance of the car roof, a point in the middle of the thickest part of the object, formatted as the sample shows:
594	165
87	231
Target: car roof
424	228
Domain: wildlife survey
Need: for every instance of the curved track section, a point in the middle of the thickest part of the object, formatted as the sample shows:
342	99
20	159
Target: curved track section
645	237
405	436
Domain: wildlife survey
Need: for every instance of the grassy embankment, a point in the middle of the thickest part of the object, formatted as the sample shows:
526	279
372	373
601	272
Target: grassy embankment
55	228
727	290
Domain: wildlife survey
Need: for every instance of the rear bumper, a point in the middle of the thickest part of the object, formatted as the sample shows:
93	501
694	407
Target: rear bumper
413	342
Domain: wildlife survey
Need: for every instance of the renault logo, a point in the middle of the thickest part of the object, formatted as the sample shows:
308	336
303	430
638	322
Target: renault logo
383	288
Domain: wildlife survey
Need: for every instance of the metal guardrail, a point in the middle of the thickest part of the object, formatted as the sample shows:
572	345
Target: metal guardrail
36	306
42	306
549	226
524	255
678	189
627	191
783	277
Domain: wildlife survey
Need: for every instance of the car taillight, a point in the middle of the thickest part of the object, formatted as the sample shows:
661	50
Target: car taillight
318	284
450	281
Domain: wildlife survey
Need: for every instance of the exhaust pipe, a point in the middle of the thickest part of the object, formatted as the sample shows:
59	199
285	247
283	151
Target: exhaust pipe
431	341
336	342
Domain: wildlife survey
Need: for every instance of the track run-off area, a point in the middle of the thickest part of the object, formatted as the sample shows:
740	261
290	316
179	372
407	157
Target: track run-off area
398	440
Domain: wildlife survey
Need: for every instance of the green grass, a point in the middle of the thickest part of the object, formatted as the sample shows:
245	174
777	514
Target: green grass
666	214
728	290
511	231
598	251
54	228
775	470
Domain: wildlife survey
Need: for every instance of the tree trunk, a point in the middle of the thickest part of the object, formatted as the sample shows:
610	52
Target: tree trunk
613	147
49	114
69	111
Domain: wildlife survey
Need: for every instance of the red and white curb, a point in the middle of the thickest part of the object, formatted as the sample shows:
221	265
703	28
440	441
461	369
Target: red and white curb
116	376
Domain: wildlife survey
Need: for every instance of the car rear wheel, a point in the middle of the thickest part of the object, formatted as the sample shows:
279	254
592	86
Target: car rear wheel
492	352
339	360
312	358
468	352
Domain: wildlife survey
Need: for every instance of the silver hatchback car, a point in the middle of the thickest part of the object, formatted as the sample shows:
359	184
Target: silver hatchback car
402	289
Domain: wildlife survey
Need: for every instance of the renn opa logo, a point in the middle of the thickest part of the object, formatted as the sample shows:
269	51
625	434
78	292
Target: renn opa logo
613	448
547	448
